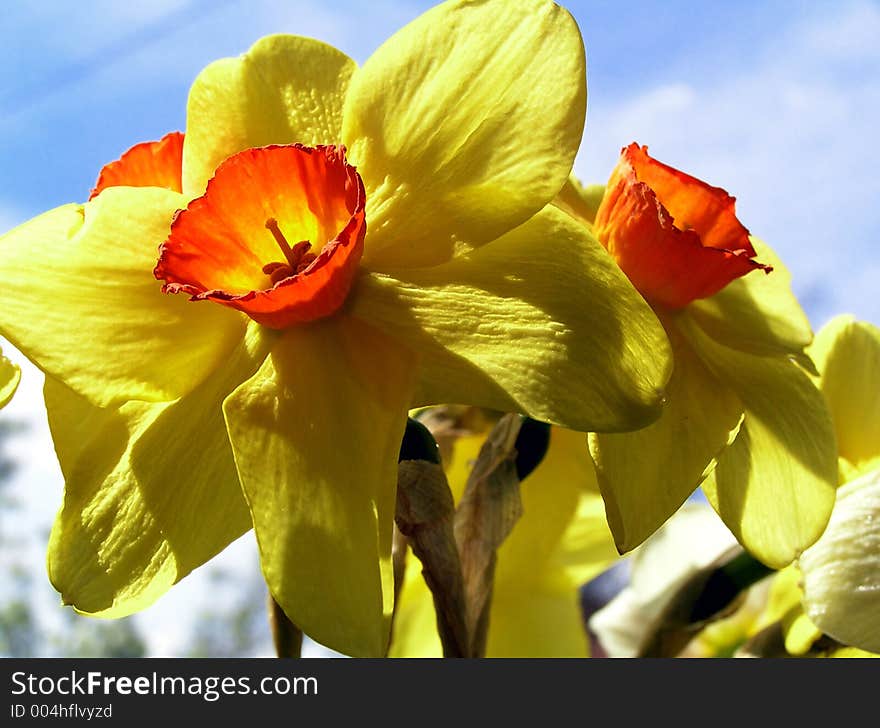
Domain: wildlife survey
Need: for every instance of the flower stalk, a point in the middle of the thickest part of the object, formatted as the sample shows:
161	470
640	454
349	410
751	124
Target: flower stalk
487	513
458	546
425	513
286	636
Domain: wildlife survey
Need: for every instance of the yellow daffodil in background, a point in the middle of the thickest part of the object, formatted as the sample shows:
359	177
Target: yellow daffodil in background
841	572
833	589
10	375
355	242
561	541
742	415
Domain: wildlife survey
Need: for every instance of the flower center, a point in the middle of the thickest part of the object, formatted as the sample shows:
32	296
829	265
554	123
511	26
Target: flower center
298	257
219	250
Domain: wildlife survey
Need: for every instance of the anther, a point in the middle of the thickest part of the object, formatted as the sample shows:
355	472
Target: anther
294	255
306	260
278	271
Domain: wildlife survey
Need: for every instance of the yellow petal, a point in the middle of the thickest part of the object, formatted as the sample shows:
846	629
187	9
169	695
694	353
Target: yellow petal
463	125
579	201
800	633
646	475
549	504
10	375
415	621
151	490
316	434
784	595
285	89
842	570
539	621
847	355
78	297
783	605
560	542
757	313
562	536
540	321
465	451
774	487
587	546
568	458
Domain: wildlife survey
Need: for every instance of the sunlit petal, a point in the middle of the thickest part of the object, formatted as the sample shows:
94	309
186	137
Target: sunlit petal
316	434
464	124
284	90
540	321
151	490
78	297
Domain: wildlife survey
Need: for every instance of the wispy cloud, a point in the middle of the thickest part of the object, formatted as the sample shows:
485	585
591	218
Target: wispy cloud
116	45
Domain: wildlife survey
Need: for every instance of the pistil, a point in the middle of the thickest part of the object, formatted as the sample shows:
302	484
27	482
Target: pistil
298	257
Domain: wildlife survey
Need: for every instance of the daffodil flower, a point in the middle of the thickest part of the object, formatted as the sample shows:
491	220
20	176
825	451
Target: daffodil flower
841	571
10	375
742	415
561	541
834	587
356	242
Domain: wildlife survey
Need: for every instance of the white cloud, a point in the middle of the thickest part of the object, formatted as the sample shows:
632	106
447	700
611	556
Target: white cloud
850	35
792	136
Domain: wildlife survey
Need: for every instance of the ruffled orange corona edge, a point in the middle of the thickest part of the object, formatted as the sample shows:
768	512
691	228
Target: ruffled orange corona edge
148	164
676	237
278	235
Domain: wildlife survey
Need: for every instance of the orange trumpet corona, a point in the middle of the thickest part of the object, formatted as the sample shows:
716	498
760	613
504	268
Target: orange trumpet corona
676	237
278	235
149	164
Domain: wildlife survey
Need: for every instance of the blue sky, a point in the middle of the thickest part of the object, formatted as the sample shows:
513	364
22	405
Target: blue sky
775	101
778	102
